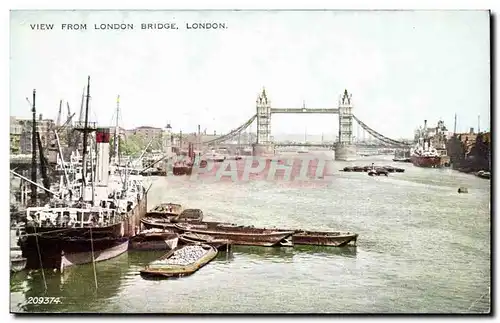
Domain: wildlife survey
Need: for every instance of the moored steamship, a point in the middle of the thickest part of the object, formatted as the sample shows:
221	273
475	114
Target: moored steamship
95	228
59	236
430	147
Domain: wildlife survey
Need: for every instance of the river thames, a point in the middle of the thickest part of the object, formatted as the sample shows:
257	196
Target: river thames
422	248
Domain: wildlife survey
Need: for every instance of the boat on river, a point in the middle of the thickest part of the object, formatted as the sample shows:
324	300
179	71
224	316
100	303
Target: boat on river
483	174
167	223
238	235
319	238
164	210
181	261
189	215
154	239
196	238
17	263
92	216
162	224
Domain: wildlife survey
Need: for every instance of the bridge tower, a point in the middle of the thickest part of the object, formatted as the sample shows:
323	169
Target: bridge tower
264	145
345	149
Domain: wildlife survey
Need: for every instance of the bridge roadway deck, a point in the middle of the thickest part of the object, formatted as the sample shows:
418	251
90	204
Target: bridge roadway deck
303	110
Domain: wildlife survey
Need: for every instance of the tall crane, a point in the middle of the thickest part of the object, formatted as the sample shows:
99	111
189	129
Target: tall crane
58	120
69	118
82	109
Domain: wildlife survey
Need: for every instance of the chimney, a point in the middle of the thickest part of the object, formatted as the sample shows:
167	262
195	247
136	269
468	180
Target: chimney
102	166
199	130
40	117
471	130
425	124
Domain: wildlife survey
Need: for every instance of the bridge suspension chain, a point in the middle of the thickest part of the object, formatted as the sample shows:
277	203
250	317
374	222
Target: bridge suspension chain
231	134
380	136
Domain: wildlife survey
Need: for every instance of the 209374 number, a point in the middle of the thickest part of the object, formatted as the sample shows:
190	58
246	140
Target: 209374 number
44	300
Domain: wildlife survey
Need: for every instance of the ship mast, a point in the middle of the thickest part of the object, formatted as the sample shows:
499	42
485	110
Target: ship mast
33	152
86	130
85	136
478	124
116	139
455	125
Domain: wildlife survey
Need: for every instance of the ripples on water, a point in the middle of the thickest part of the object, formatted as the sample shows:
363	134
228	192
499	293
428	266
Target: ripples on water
422	248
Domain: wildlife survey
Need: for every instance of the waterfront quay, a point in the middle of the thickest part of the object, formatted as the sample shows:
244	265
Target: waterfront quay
422	248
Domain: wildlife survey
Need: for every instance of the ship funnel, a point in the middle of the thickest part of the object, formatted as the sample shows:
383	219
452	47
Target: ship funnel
102	166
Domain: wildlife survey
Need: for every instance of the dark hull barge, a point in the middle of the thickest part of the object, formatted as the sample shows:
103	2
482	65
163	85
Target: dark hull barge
189	215
161	224
196	238
238	235
165	210
167	224
318	238
378	169
153	240
180	262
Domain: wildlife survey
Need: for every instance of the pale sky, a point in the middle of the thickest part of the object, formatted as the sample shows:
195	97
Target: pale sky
401	67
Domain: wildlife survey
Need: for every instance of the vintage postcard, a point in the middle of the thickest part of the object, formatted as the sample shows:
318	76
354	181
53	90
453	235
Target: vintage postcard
251	161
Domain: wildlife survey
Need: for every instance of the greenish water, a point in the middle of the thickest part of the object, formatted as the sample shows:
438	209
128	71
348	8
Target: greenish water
422	248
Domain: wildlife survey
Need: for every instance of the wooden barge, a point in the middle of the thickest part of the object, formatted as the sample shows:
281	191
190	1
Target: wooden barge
167	223
238	235
180	262
196	238
154	239
318	238
165	210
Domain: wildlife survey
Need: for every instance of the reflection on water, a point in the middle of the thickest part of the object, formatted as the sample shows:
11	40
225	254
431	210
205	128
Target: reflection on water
348	251
421	248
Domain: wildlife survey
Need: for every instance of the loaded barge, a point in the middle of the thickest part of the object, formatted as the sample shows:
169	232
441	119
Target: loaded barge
180	262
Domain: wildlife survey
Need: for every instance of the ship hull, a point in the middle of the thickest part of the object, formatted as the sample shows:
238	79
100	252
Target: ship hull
59	247
117	248
428	162
65	252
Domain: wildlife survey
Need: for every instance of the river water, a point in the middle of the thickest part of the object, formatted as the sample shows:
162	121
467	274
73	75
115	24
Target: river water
422	248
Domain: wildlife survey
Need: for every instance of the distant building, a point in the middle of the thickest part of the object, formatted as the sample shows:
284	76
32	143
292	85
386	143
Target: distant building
21	130
148	133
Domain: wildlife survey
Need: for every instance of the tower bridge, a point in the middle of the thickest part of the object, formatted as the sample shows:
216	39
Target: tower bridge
345	146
